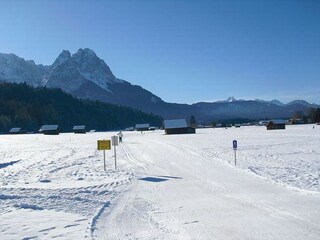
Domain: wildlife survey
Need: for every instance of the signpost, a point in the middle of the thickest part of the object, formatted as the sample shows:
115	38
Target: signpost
115	142
235	146
104	145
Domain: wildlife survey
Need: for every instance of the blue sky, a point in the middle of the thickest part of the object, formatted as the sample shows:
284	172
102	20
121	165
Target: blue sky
182	51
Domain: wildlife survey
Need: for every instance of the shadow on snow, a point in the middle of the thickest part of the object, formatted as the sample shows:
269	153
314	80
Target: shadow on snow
158	178
3	165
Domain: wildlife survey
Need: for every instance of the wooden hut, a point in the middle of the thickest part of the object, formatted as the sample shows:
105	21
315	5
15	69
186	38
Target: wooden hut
49	129
79	129
276	124
177	126
16	130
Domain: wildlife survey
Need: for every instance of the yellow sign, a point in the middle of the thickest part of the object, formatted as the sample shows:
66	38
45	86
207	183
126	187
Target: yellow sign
104	144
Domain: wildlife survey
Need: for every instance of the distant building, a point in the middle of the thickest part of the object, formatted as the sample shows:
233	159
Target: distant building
263	122
16	130
153	128
49	129
79	129
296	121
276	124
142	127
177	126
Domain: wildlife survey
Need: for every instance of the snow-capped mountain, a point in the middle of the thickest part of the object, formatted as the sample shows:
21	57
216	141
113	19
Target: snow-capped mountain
231	99
16	69
84	75
68	72
71	72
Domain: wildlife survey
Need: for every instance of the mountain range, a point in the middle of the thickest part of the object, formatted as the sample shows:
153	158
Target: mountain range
84	75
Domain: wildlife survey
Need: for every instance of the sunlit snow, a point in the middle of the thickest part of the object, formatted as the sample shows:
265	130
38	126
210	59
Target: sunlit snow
165	186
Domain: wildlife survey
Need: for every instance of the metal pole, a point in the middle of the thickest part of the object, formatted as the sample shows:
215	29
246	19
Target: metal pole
235	157
104	160
115	157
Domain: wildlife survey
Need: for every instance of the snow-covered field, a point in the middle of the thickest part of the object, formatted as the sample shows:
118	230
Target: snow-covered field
165	187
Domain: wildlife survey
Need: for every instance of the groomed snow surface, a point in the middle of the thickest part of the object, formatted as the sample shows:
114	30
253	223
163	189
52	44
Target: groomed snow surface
165	187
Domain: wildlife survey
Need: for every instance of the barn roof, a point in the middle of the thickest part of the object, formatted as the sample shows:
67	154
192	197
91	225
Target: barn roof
15	130
279	121
175	123
80	127
49	127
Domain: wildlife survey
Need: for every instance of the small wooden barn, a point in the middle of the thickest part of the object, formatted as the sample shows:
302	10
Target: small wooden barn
177	126
142	127
16	130
276	124
79	129
49	129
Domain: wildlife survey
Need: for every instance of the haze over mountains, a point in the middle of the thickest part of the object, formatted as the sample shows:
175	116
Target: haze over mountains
85	75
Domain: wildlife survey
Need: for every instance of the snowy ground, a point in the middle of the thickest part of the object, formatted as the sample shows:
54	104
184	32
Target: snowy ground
165	187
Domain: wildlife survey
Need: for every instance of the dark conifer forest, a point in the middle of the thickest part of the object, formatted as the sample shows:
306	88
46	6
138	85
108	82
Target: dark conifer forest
29	108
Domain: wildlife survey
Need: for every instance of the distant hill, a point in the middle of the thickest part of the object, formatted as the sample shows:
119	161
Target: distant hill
24	106
84	75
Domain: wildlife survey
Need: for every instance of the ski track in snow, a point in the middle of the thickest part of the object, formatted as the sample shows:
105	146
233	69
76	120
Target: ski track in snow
136	217
46	175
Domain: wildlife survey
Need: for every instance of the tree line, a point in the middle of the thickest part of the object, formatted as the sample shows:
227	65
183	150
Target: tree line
30	108
311	116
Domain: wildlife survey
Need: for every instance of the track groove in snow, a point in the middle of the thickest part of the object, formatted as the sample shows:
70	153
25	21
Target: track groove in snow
129	156
214	198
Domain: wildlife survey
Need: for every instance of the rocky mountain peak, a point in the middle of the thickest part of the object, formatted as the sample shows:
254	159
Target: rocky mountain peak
70	72
85	52
86	57
16	69
31	62
231	99
64	56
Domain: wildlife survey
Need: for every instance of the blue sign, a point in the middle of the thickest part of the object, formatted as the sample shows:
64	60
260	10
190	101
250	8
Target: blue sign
235	144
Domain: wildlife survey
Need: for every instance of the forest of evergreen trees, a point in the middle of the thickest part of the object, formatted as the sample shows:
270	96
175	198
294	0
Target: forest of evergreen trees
29	108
